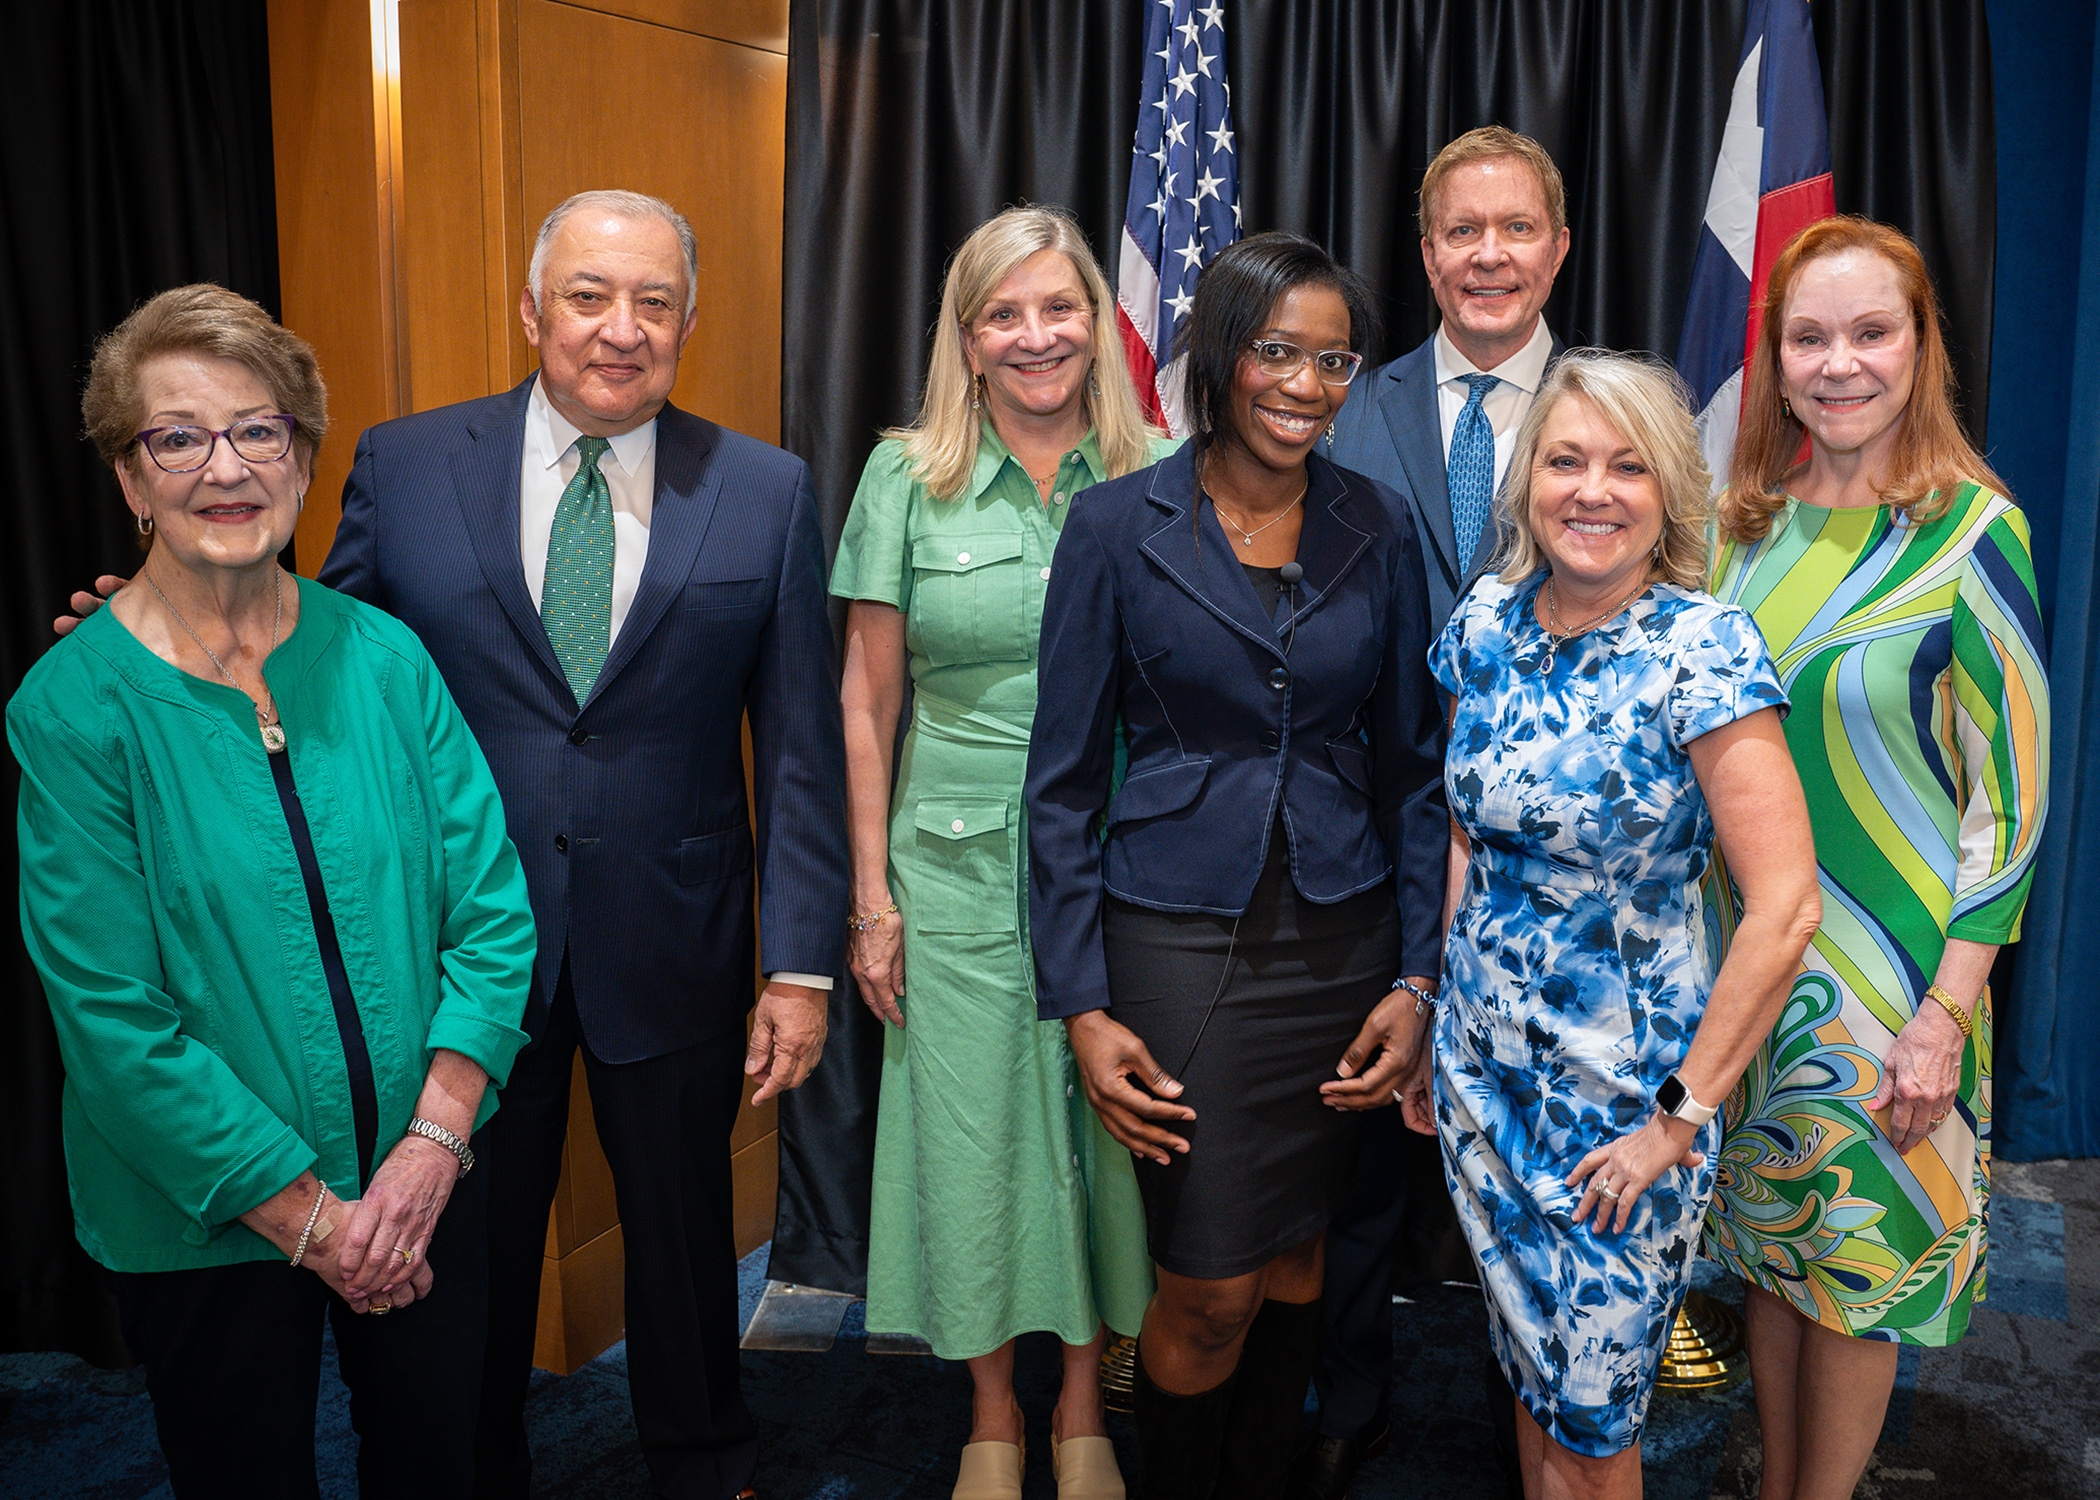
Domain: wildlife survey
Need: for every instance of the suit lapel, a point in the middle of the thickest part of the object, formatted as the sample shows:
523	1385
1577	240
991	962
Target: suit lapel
1205	569
1408	404
485	483
687	490
1332	539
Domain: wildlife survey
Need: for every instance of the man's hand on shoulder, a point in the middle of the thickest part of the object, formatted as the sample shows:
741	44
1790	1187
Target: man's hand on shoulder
85	604
787	1036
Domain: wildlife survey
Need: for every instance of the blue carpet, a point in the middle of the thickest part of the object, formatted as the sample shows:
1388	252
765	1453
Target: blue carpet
2004	1412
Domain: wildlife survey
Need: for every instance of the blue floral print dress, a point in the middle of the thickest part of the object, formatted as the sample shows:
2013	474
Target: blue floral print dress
1576	972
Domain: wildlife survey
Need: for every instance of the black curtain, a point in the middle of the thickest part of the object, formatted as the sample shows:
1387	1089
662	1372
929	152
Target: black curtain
135	155
910	121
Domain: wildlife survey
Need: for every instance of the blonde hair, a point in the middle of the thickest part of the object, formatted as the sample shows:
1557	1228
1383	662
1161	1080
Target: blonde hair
1931	457
1492	143
1649	406
942	444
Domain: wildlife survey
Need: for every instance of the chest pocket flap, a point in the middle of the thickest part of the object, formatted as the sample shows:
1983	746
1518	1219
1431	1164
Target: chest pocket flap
963	552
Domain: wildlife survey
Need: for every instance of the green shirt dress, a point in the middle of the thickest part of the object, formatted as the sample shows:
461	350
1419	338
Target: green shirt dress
1000	1205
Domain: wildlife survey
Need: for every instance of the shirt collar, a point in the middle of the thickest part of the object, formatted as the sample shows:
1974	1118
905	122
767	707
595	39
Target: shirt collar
993	455
549	435
1524	369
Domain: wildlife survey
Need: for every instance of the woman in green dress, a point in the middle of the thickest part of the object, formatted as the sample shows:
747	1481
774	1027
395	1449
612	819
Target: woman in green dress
1000	1207
1893	582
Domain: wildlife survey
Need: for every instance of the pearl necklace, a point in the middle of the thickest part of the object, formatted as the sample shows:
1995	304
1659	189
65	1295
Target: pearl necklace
266	711
1559	630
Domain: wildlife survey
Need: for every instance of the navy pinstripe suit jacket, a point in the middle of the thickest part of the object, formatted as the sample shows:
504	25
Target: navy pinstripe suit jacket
630	812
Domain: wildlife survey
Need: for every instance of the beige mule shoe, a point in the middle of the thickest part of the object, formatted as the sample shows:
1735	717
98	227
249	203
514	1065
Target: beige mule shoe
1086	1469
990	1471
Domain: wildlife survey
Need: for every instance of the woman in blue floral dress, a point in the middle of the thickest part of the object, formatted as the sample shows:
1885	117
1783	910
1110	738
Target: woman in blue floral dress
1608	722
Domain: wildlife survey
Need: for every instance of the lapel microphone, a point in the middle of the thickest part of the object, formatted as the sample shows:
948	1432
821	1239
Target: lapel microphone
1289	575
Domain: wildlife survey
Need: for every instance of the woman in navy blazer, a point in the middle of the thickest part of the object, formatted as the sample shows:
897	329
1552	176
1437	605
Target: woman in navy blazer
1222	930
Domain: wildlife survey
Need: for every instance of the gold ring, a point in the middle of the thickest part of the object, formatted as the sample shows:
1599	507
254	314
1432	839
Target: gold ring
381	1305
408	1255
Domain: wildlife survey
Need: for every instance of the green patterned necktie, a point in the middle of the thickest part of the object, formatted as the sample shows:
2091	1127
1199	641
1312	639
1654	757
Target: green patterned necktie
576	595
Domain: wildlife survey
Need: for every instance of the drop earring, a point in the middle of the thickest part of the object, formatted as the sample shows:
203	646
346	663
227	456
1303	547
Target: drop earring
1093	383
1787	407
976	388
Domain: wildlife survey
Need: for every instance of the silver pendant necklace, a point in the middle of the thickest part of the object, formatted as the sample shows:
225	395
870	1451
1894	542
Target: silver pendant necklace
266	711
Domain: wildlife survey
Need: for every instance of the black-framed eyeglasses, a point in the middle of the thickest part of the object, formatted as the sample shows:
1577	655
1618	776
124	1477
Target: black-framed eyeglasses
1280	359
181	448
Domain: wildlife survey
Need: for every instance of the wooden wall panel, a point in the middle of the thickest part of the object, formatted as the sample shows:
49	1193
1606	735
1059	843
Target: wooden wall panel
455	316
330	105
700	123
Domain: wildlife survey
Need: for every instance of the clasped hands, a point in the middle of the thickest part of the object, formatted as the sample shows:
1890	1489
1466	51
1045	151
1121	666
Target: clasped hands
1138	1100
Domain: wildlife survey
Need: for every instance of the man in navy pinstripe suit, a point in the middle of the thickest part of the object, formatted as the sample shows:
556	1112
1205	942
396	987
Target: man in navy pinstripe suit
628	807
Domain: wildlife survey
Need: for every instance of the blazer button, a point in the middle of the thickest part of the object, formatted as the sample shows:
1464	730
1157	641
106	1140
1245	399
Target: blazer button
1280	679
561	843
578	736
1269	740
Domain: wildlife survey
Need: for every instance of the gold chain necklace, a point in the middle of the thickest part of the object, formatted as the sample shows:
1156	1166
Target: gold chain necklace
1559	630
265	711
1247	537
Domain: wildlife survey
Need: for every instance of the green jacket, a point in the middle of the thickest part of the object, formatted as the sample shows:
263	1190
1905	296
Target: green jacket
163	905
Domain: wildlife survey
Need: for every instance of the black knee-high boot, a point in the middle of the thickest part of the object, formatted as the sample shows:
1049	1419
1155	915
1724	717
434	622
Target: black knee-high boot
1179	1437
1268	1400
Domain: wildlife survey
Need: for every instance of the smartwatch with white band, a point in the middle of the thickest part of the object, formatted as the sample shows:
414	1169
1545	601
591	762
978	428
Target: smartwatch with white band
1673	1098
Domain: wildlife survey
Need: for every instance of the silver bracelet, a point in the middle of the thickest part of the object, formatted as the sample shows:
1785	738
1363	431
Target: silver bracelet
430	1130
313	1216
1425	1002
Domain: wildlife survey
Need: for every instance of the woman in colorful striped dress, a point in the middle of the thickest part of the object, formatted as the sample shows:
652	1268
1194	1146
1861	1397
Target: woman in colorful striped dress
1893	582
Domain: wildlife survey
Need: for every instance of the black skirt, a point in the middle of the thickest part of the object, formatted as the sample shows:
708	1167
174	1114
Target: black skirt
1268	1162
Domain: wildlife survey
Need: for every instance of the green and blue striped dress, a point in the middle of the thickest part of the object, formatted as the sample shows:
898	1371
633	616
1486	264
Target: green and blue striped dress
1912	655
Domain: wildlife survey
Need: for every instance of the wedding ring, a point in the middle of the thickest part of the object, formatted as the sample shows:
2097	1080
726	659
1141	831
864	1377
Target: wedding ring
381	1305
1608	1193
1396	1097
407	1254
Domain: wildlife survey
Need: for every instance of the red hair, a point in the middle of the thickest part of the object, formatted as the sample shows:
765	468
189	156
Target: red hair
1931	456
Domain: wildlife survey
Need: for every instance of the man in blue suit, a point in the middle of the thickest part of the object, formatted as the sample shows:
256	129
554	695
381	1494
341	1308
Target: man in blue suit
610	586
1437	424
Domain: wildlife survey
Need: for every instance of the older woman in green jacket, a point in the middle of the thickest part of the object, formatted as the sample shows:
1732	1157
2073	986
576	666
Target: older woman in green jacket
284	938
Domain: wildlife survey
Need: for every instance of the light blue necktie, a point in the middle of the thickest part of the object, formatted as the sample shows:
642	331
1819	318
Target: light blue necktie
1470	473
576	592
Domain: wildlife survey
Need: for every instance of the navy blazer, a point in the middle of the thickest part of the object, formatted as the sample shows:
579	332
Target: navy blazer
629	812
1331	716
1390	430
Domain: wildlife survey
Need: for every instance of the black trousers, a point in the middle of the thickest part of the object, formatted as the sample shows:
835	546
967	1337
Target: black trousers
665	1123
1399	1214
233	1364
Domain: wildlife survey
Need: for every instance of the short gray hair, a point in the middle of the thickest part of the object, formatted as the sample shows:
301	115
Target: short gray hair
628	206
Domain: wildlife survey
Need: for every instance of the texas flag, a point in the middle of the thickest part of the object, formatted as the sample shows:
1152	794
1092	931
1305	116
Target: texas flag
1771	180
1184	203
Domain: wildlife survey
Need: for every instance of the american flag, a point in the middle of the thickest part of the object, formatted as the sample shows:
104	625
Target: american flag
1184	192
1771	181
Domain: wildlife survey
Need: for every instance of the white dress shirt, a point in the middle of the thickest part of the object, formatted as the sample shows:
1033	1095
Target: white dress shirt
1505	405
550	461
